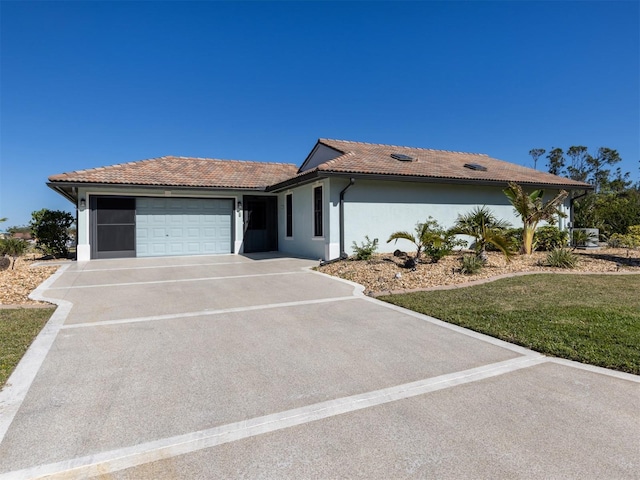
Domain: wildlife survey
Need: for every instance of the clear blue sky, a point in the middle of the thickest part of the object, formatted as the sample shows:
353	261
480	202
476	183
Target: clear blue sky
87	84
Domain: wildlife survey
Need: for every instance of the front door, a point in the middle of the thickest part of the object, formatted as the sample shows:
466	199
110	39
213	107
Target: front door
260	224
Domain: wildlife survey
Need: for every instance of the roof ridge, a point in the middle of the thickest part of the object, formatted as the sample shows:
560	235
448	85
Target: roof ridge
221	160
402	146
167	157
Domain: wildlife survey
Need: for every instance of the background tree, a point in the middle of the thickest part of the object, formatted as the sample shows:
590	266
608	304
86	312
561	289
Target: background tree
556	161
598	174
532	209
50	228
578	170
536	153
485	228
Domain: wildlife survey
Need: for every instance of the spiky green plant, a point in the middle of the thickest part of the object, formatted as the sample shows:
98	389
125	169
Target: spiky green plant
428	234
481	224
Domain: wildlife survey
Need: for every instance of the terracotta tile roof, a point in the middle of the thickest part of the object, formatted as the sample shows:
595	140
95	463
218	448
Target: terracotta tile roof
185	172
369	158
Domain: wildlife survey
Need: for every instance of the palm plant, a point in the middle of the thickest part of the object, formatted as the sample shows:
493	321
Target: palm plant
427	234
13	247
485	228
532	210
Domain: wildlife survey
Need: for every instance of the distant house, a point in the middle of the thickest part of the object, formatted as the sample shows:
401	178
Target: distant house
22	236
342	191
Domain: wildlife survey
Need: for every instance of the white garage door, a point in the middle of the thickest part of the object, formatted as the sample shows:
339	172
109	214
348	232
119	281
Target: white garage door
183	226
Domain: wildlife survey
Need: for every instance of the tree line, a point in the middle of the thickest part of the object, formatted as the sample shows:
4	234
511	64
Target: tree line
614	203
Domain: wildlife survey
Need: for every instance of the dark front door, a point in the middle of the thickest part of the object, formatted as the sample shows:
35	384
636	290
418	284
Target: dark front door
113	232
260	224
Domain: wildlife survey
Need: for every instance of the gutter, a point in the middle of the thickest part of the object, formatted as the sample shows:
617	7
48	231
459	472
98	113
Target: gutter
315	174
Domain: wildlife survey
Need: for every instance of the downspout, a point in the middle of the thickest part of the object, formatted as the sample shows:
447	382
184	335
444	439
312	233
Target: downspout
342	252
571	202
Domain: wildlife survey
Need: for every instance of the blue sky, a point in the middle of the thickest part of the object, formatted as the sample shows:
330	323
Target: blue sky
87	84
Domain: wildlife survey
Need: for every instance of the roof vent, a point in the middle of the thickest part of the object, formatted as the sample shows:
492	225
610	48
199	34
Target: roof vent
402	157
475	166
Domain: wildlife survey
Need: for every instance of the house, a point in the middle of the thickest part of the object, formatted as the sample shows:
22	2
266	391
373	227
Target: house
342	191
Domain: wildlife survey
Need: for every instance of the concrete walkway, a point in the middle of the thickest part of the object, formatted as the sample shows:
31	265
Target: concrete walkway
229	366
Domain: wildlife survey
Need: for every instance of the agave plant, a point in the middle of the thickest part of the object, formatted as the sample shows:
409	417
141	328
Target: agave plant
485	228
532	210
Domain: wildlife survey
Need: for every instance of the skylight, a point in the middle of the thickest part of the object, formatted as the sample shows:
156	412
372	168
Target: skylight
402	157
475	166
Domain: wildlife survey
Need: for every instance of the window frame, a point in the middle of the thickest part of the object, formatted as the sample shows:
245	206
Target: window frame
288	215
317	205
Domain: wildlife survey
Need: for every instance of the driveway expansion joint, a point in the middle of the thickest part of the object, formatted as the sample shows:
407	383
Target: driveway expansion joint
128	457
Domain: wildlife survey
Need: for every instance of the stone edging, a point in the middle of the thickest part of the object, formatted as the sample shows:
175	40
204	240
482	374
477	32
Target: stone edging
27	305
491	279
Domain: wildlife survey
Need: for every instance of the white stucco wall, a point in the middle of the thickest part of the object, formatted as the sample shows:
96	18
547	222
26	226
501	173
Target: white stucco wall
303	243
379	208
84	246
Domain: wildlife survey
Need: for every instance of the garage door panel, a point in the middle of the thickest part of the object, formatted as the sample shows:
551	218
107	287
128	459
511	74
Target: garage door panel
180	226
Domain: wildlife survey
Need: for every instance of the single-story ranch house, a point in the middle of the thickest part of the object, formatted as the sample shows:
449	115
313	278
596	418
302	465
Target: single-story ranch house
342	192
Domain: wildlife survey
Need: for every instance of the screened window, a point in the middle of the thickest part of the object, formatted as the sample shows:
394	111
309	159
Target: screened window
317	211
289	214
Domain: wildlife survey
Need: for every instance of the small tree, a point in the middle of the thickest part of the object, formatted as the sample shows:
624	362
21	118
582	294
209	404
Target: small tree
532	209
429	237
486	229
14	248
51	231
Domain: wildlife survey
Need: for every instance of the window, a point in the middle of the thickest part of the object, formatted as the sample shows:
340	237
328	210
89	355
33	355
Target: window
317	211
289	214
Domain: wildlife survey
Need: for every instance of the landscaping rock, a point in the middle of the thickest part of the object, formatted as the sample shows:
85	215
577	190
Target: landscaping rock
384	278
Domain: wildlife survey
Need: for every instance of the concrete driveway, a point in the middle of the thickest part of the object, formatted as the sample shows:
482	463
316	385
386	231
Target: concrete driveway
237	367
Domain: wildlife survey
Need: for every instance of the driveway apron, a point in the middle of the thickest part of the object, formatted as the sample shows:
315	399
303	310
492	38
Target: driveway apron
230	366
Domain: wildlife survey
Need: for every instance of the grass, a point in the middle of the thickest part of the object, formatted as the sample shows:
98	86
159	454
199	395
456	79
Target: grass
592	319
18	328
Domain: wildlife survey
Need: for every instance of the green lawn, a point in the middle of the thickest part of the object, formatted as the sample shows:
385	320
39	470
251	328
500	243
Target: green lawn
592	319
18	328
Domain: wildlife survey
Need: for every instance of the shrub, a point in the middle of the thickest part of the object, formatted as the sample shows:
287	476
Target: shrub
617	240
366	249
549	238
561	258
628	240
471	264
442	245
51	230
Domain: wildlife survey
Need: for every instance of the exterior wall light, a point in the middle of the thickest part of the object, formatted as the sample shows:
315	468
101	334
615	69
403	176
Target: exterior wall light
239	206
83	203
